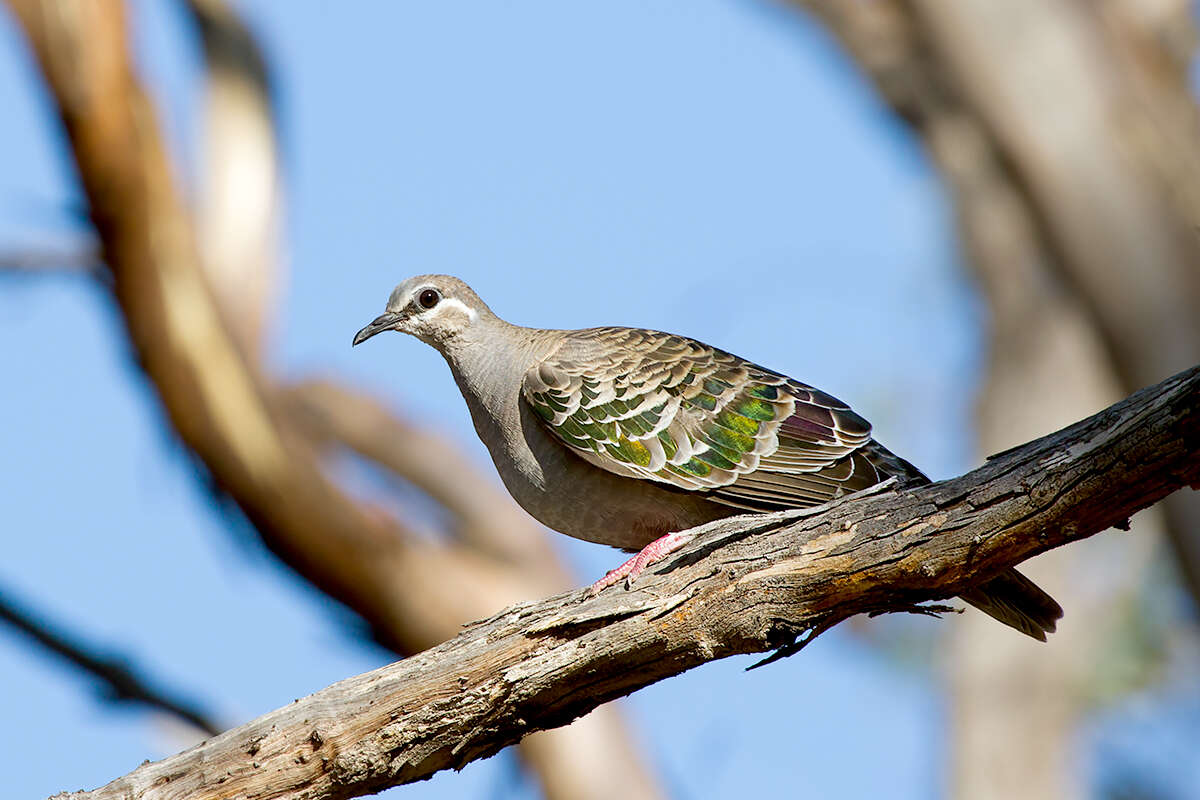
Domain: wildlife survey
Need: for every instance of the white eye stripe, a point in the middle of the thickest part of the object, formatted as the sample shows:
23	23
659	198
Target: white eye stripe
454	302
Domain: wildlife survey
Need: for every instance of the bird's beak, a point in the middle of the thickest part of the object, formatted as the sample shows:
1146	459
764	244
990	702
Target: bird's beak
384	322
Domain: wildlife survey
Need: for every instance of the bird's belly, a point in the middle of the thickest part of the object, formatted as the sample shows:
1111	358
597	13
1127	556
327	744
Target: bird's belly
571	496
586	508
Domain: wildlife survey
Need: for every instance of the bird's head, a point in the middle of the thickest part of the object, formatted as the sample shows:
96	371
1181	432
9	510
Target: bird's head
437	309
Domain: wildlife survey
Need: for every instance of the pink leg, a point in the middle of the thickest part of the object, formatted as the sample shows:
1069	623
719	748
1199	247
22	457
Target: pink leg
631	569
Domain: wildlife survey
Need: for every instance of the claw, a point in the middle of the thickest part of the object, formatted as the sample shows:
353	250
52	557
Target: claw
655	551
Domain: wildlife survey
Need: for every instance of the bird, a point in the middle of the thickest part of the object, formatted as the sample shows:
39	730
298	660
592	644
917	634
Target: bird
631	437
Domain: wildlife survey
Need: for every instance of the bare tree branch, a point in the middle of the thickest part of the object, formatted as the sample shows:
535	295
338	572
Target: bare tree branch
120	680
1067	134
217	401
1120	213
484	516
239	208
594	757
413	593
1078	160
747	584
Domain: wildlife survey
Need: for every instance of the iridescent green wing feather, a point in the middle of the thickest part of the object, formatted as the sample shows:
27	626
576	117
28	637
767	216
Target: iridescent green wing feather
665	408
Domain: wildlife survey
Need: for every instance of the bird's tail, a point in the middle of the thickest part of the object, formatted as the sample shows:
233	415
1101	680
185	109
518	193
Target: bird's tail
1018	602
1009	597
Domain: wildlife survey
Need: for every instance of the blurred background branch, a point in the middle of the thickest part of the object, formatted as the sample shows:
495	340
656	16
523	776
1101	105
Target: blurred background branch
1069	137
239	208
748	584
1063	132
29	263
482	516
198	302
120	679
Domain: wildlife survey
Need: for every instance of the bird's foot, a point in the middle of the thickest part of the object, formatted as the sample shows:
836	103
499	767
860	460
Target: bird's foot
655	551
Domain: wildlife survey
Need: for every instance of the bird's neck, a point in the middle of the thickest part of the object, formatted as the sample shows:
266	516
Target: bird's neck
489	363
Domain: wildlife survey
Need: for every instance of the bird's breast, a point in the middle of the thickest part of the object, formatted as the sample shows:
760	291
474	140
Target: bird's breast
572	496
566	493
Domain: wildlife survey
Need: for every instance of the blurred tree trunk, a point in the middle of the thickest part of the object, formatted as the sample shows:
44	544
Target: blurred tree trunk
1015	706
1068	136
197	293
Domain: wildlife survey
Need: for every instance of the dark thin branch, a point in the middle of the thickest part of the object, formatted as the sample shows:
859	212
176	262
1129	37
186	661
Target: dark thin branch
231	49
54	262
203	365
746	585
120	680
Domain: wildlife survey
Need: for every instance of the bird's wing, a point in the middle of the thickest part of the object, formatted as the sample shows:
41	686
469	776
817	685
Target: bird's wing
661	407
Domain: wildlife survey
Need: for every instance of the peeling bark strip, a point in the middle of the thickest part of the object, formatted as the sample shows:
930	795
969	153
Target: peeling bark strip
746	585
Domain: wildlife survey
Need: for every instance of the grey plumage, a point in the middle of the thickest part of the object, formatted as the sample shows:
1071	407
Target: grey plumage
626	436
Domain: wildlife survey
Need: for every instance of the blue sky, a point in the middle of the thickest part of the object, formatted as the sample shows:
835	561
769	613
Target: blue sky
712	167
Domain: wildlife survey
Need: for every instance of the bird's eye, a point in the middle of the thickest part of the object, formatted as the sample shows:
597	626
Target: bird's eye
429	298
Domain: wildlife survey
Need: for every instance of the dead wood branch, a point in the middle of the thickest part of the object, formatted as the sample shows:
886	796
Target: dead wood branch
1076	160
748	584
413	593
1067	135
218	402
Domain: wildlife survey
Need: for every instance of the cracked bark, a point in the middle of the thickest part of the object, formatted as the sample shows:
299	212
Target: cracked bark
1076	159
745	585
263	445
1067	135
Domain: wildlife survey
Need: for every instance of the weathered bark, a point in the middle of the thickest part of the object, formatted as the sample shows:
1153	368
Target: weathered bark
203	363
1068	136
594	758
215	400
1074	126
1015	709
746	584
1097	125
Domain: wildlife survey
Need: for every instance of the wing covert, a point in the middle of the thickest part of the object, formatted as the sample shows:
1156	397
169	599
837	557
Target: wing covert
661	407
